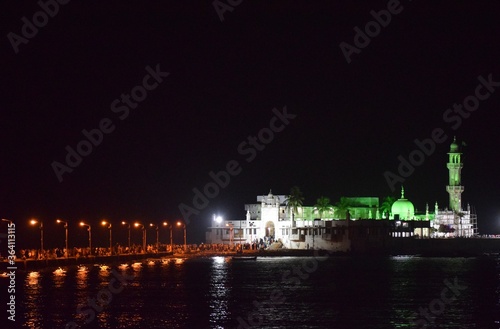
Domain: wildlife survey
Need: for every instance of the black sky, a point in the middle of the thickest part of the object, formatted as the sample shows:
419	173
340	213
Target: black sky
352	120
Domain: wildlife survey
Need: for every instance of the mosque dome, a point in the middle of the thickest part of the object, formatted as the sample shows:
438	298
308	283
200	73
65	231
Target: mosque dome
403	207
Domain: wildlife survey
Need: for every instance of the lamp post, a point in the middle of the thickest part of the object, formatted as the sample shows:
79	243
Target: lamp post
157	236
90	235
184	227
231	233
34	222
104	223
66	252
171	241
218	220
128	224
251	232
7	220
143	236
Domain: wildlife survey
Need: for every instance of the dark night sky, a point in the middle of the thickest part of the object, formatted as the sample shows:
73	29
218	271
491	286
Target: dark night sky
352	120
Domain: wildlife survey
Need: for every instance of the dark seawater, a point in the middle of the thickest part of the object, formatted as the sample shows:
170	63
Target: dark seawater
278	292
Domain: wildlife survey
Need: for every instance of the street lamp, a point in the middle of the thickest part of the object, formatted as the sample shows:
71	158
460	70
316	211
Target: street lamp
251	232
143	236
231	233
66	252
90	235
217	219
157	236
125	223
7	220
184	227
171	241
34	222
104	223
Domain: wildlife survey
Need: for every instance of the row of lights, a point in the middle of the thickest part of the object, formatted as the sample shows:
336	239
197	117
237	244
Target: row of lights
108	225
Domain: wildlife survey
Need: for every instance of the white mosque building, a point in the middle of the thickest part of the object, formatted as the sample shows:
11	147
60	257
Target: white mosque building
449	222
271	220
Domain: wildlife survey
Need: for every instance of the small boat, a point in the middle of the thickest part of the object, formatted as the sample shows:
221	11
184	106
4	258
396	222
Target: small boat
244	257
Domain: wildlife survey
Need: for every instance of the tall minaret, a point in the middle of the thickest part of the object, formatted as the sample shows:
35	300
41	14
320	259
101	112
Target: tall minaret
454	187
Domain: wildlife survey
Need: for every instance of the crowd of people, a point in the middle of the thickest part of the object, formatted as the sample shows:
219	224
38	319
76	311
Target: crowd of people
54	253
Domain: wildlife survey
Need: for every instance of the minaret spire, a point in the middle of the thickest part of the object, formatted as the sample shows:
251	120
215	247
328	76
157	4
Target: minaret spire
454	187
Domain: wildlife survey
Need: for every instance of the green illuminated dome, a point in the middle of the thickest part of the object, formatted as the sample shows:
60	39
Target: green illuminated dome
454	145
403	207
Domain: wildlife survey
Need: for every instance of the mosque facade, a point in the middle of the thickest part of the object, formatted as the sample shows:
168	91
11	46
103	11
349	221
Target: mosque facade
269	222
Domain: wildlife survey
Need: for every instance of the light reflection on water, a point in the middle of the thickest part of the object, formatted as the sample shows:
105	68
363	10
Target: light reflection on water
32	278
81	278
32	293
214	292
219	292
58	277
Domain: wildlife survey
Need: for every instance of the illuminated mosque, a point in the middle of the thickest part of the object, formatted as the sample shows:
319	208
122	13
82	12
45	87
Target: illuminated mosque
270	220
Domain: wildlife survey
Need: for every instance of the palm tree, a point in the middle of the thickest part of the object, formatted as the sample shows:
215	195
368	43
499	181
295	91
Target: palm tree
342	206
386	206
294	200
323	204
